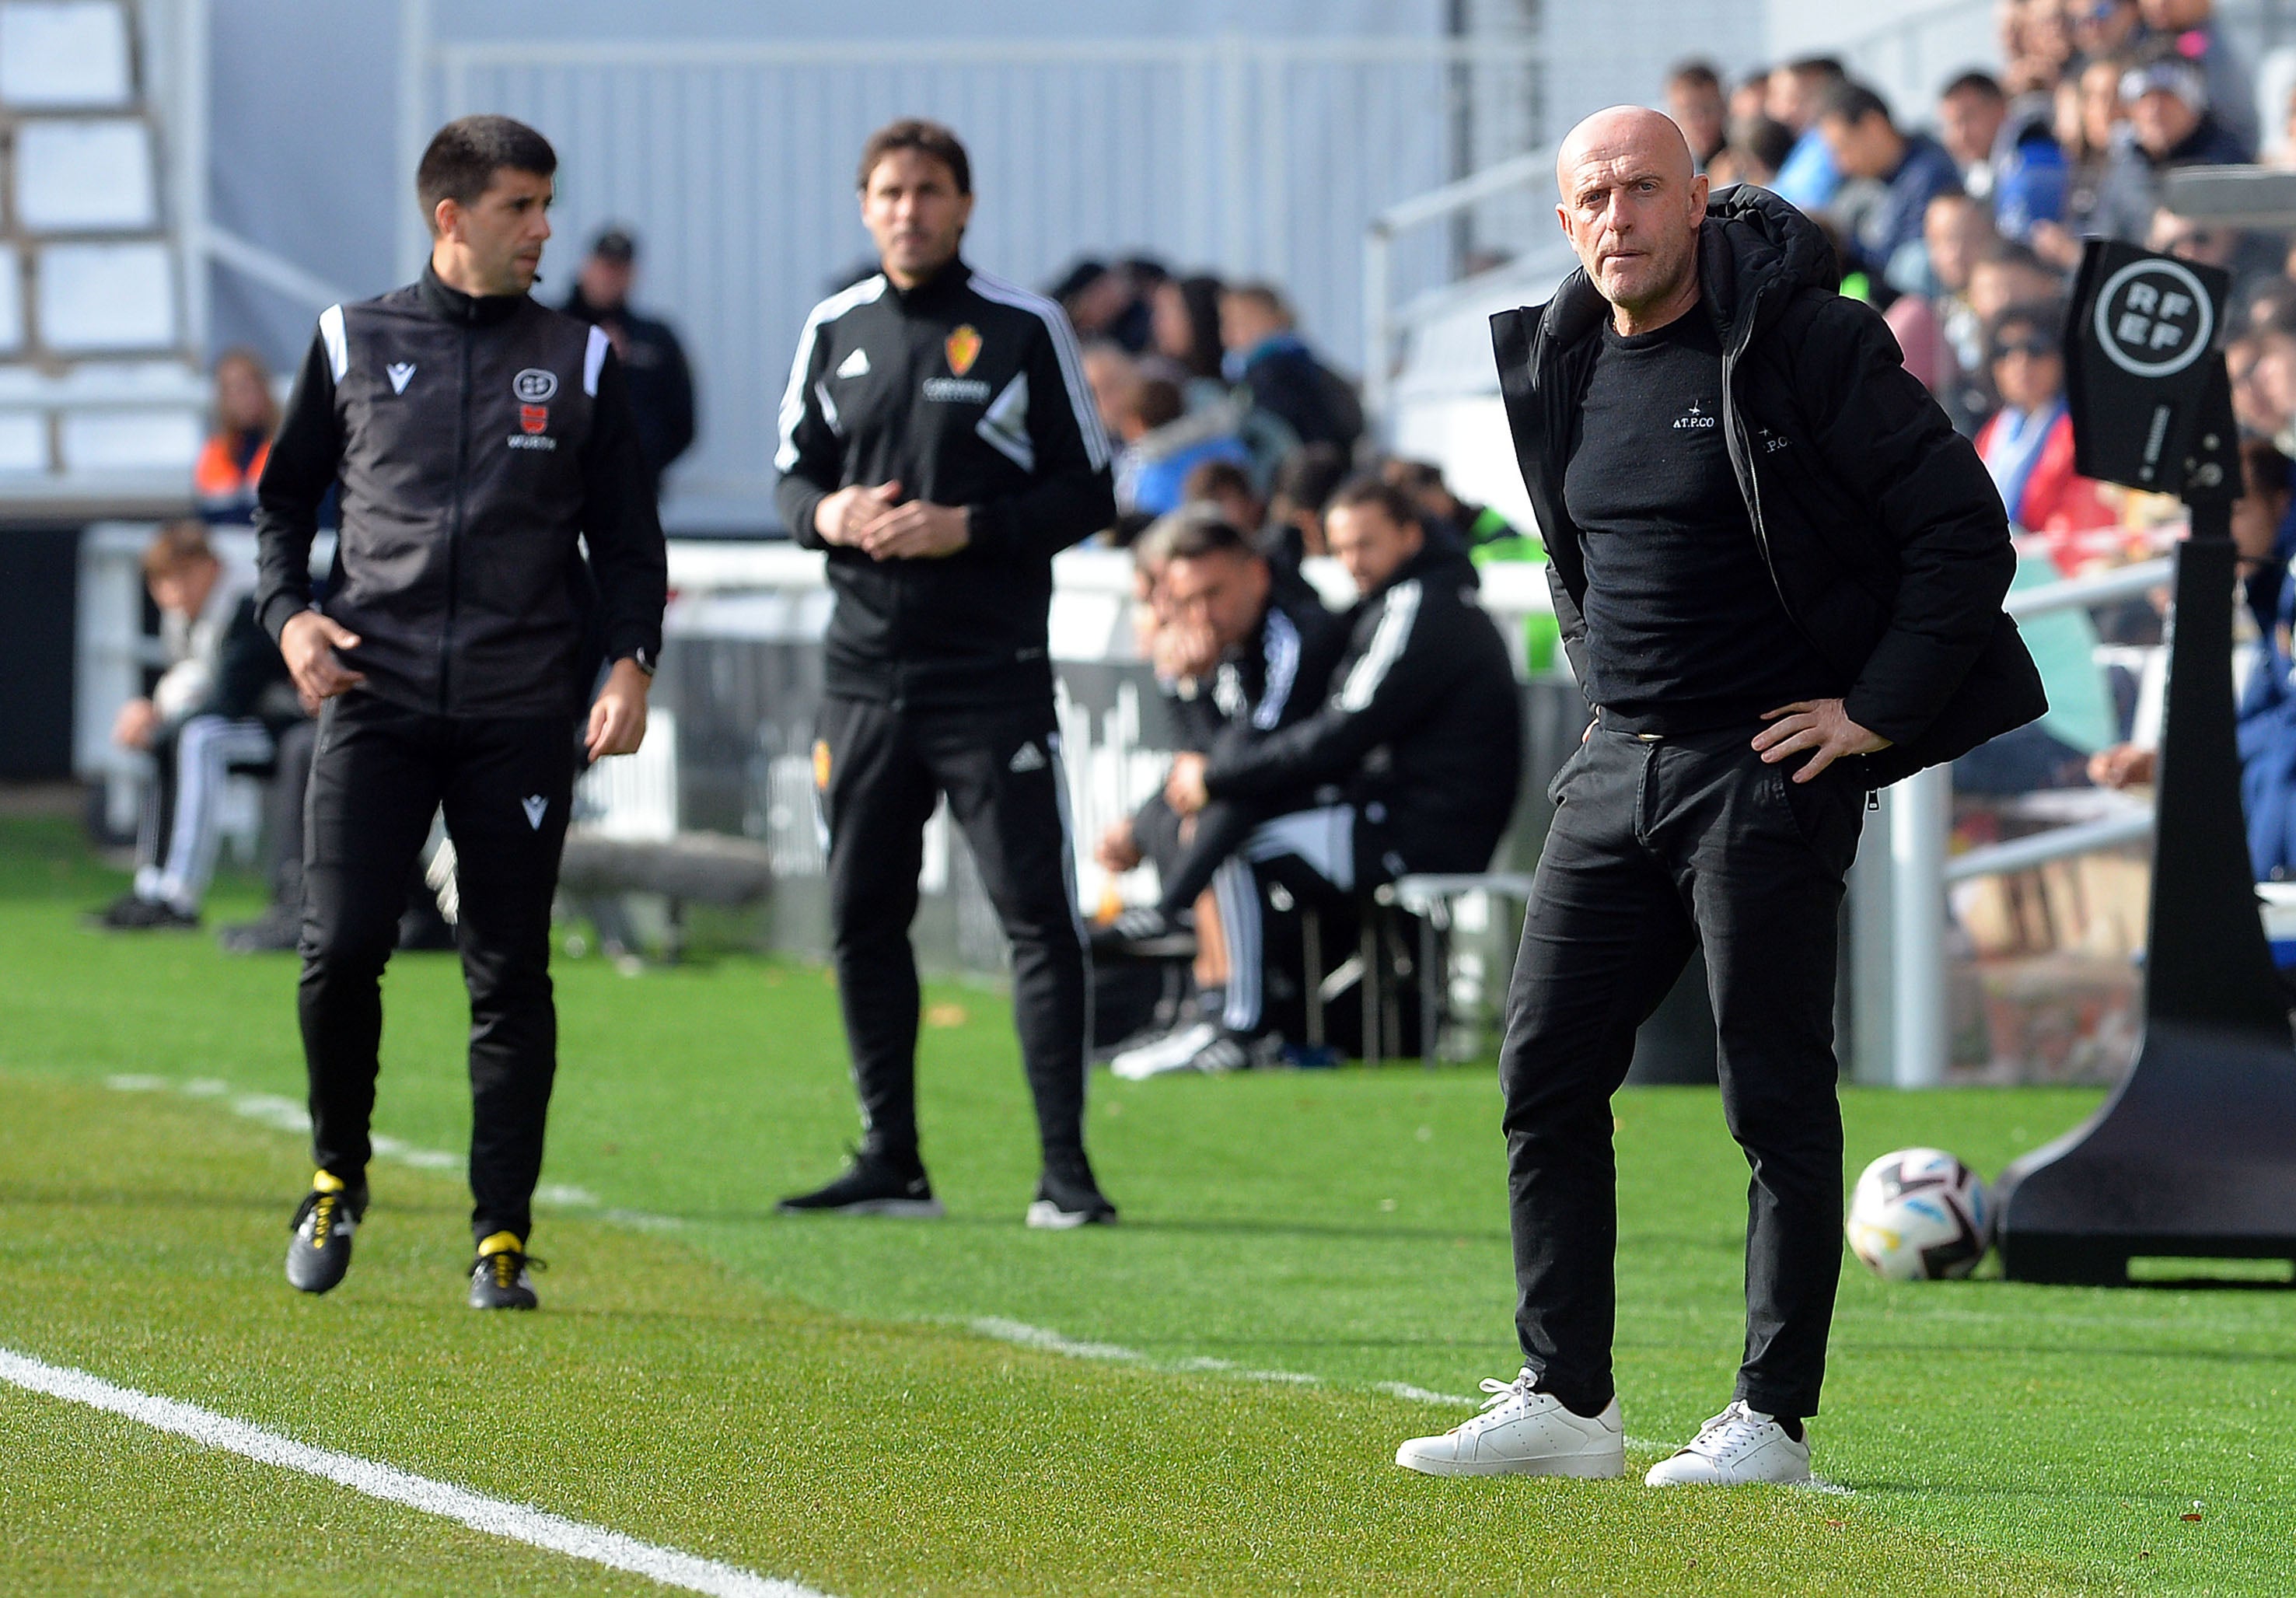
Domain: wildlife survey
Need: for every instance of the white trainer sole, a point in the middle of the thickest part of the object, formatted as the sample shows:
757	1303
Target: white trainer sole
1046	1215
1577	1467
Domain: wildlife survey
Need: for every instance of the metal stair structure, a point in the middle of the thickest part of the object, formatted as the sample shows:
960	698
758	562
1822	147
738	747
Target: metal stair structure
102	398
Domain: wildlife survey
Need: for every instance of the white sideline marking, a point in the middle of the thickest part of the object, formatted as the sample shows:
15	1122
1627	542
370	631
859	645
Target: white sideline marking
1047	1341
284	1114
497	1517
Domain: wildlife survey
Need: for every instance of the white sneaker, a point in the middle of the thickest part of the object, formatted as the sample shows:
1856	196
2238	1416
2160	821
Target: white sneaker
1523	1433
1173	1051
1736	1448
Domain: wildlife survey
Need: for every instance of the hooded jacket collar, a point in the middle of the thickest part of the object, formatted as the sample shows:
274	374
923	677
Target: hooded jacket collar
1755	252
452	305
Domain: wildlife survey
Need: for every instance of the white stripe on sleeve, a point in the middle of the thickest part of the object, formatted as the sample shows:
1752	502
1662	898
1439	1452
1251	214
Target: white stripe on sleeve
794	397
339	345
594	360
1065	350
1388	641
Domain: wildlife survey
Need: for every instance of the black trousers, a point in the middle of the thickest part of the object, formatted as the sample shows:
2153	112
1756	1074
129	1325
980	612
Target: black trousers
881	770
1656	846
378	774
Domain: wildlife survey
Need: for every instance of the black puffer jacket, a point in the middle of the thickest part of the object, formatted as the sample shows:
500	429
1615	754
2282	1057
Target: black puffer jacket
1884	535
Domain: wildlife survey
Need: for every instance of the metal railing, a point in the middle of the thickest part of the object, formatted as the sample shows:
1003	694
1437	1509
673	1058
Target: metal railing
1921	815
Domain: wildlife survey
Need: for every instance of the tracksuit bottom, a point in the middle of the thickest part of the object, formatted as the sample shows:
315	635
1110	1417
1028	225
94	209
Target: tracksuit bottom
1659	845
379	775
878	771
181	830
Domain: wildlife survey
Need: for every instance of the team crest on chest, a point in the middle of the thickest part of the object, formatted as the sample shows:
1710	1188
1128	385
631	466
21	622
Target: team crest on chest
962	348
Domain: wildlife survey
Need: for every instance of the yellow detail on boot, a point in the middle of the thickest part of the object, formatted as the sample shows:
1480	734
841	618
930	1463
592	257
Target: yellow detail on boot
327	1181
502	1242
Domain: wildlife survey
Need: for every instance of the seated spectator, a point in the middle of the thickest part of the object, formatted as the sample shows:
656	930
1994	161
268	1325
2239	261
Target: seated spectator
2170	125
1757	149
2028	446
2088	120
225	695
1808	177
1307	478
246	416
1912	168
1419	745
1110	373
1102	302
1972	111
2103	30
1163	443
1956	232
1227	487
1262	658
2029	174
1751	96
1267	358
2007	273
2189	30
1185	337
2036	46
1694	99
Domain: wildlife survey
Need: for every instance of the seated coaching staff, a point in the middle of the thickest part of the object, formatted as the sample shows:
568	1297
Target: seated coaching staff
477	436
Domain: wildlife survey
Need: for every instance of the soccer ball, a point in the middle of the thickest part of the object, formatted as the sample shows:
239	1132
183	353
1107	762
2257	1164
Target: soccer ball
1918	1215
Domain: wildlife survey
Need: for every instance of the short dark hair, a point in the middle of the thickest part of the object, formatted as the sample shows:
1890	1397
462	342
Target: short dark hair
1307	476
2011	252
926	138
1369	488
1157	401
1697	74
1765	139
1828	66
176	545
463	158
1413	476
1975	81
1853	102
1198	530
1208	479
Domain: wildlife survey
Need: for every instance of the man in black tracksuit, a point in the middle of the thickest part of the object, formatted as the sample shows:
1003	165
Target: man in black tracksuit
1271	647
1412	761
477	436
1779	575
937	441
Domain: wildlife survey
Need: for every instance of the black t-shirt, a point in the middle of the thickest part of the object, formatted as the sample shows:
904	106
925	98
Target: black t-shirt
1684	627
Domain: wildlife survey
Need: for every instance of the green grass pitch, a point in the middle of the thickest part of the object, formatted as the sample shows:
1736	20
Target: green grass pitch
820	1400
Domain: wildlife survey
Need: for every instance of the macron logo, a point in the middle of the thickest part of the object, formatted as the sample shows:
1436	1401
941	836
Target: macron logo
855	364
402	372
1027	758
535	805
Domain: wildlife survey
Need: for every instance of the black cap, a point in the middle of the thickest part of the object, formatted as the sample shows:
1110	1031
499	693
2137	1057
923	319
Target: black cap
616	244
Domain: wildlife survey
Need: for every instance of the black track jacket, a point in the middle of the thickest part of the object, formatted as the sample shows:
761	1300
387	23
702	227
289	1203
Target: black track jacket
476	439
1274	678
1884	535
1422	722
966	391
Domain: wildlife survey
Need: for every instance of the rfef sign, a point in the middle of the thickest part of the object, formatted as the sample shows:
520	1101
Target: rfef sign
2139	325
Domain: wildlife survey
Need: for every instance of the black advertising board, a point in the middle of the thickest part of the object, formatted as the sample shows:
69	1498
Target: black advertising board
2134	378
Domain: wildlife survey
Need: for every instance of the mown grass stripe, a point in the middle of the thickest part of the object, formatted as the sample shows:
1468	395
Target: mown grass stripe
497	1517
